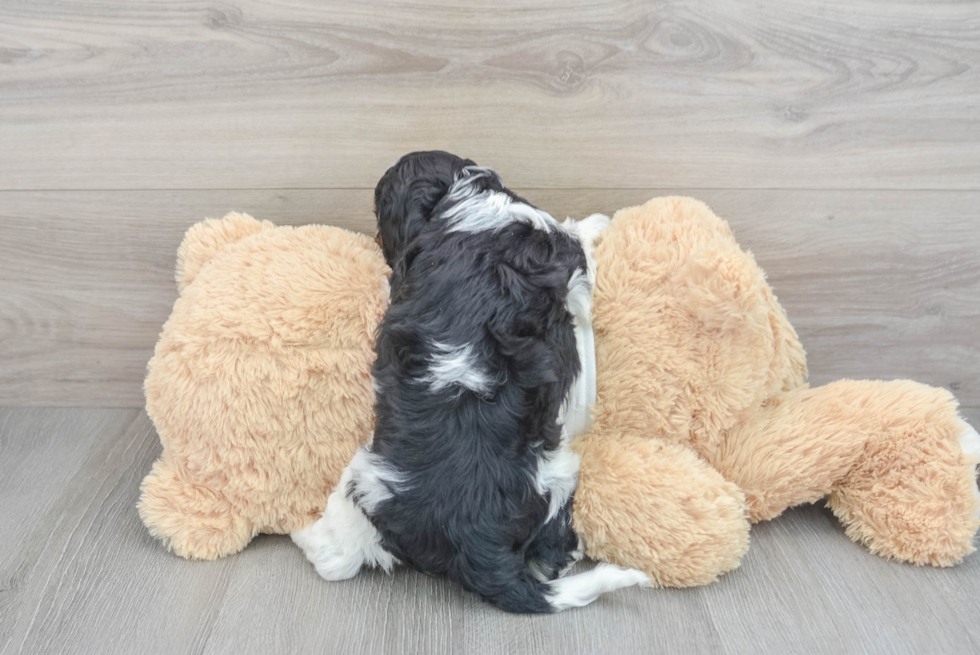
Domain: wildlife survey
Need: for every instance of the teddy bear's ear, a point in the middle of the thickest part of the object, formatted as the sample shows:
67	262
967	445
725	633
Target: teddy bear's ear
209	237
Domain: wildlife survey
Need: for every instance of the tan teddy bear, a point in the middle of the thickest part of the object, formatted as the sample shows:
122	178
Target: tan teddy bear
260	385
260	389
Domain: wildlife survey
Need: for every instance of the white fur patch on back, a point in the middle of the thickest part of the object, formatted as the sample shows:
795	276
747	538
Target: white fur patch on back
478	211
557	475
457	365
373	479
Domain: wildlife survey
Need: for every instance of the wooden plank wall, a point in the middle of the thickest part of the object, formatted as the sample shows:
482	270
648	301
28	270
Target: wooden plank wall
840	139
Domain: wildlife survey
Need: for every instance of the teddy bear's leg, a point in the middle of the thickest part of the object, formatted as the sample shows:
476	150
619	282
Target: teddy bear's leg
795	447
656	506
913	495
190	519
887	453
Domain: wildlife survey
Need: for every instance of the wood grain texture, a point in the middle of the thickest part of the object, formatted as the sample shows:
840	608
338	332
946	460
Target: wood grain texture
88	577
630	94
87	281
841	140
79	574
880	284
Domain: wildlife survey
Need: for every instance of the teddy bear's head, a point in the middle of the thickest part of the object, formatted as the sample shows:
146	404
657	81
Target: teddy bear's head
260	384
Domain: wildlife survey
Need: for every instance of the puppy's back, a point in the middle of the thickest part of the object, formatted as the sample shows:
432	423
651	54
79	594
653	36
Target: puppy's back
476	357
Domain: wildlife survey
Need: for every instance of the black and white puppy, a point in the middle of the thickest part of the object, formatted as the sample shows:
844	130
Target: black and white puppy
478	381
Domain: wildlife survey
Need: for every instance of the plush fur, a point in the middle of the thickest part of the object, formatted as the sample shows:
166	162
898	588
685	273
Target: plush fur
719	373
260	385
469	473
703	422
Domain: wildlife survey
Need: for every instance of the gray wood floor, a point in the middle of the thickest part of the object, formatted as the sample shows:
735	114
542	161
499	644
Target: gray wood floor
79	574
840	139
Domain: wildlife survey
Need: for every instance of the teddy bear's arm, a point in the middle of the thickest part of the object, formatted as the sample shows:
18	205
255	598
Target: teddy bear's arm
657	506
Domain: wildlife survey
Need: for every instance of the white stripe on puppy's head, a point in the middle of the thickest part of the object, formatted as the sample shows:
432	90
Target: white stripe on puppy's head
473	208
408	193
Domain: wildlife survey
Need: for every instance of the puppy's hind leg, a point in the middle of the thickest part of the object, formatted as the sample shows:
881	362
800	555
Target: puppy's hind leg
343	539
556	548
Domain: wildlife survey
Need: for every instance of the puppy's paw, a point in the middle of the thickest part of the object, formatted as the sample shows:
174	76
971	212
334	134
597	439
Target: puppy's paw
574	558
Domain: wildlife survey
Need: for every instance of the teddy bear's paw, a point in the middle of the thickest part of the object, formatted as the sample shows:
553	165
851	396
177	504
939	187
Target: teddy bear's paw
192	520
904	506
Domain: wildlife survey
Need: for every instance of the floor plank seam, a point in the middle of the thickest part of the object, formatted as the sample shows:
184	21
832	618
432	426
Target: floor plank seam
522	188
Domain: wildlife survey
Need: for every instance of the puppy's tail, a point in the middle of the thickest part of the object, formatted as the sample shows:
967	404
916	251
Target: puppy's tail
530	596
583	588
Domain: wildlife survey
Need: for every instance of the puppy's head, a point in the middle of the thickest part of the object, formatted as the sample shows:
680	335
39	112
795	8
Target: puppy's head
407	194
